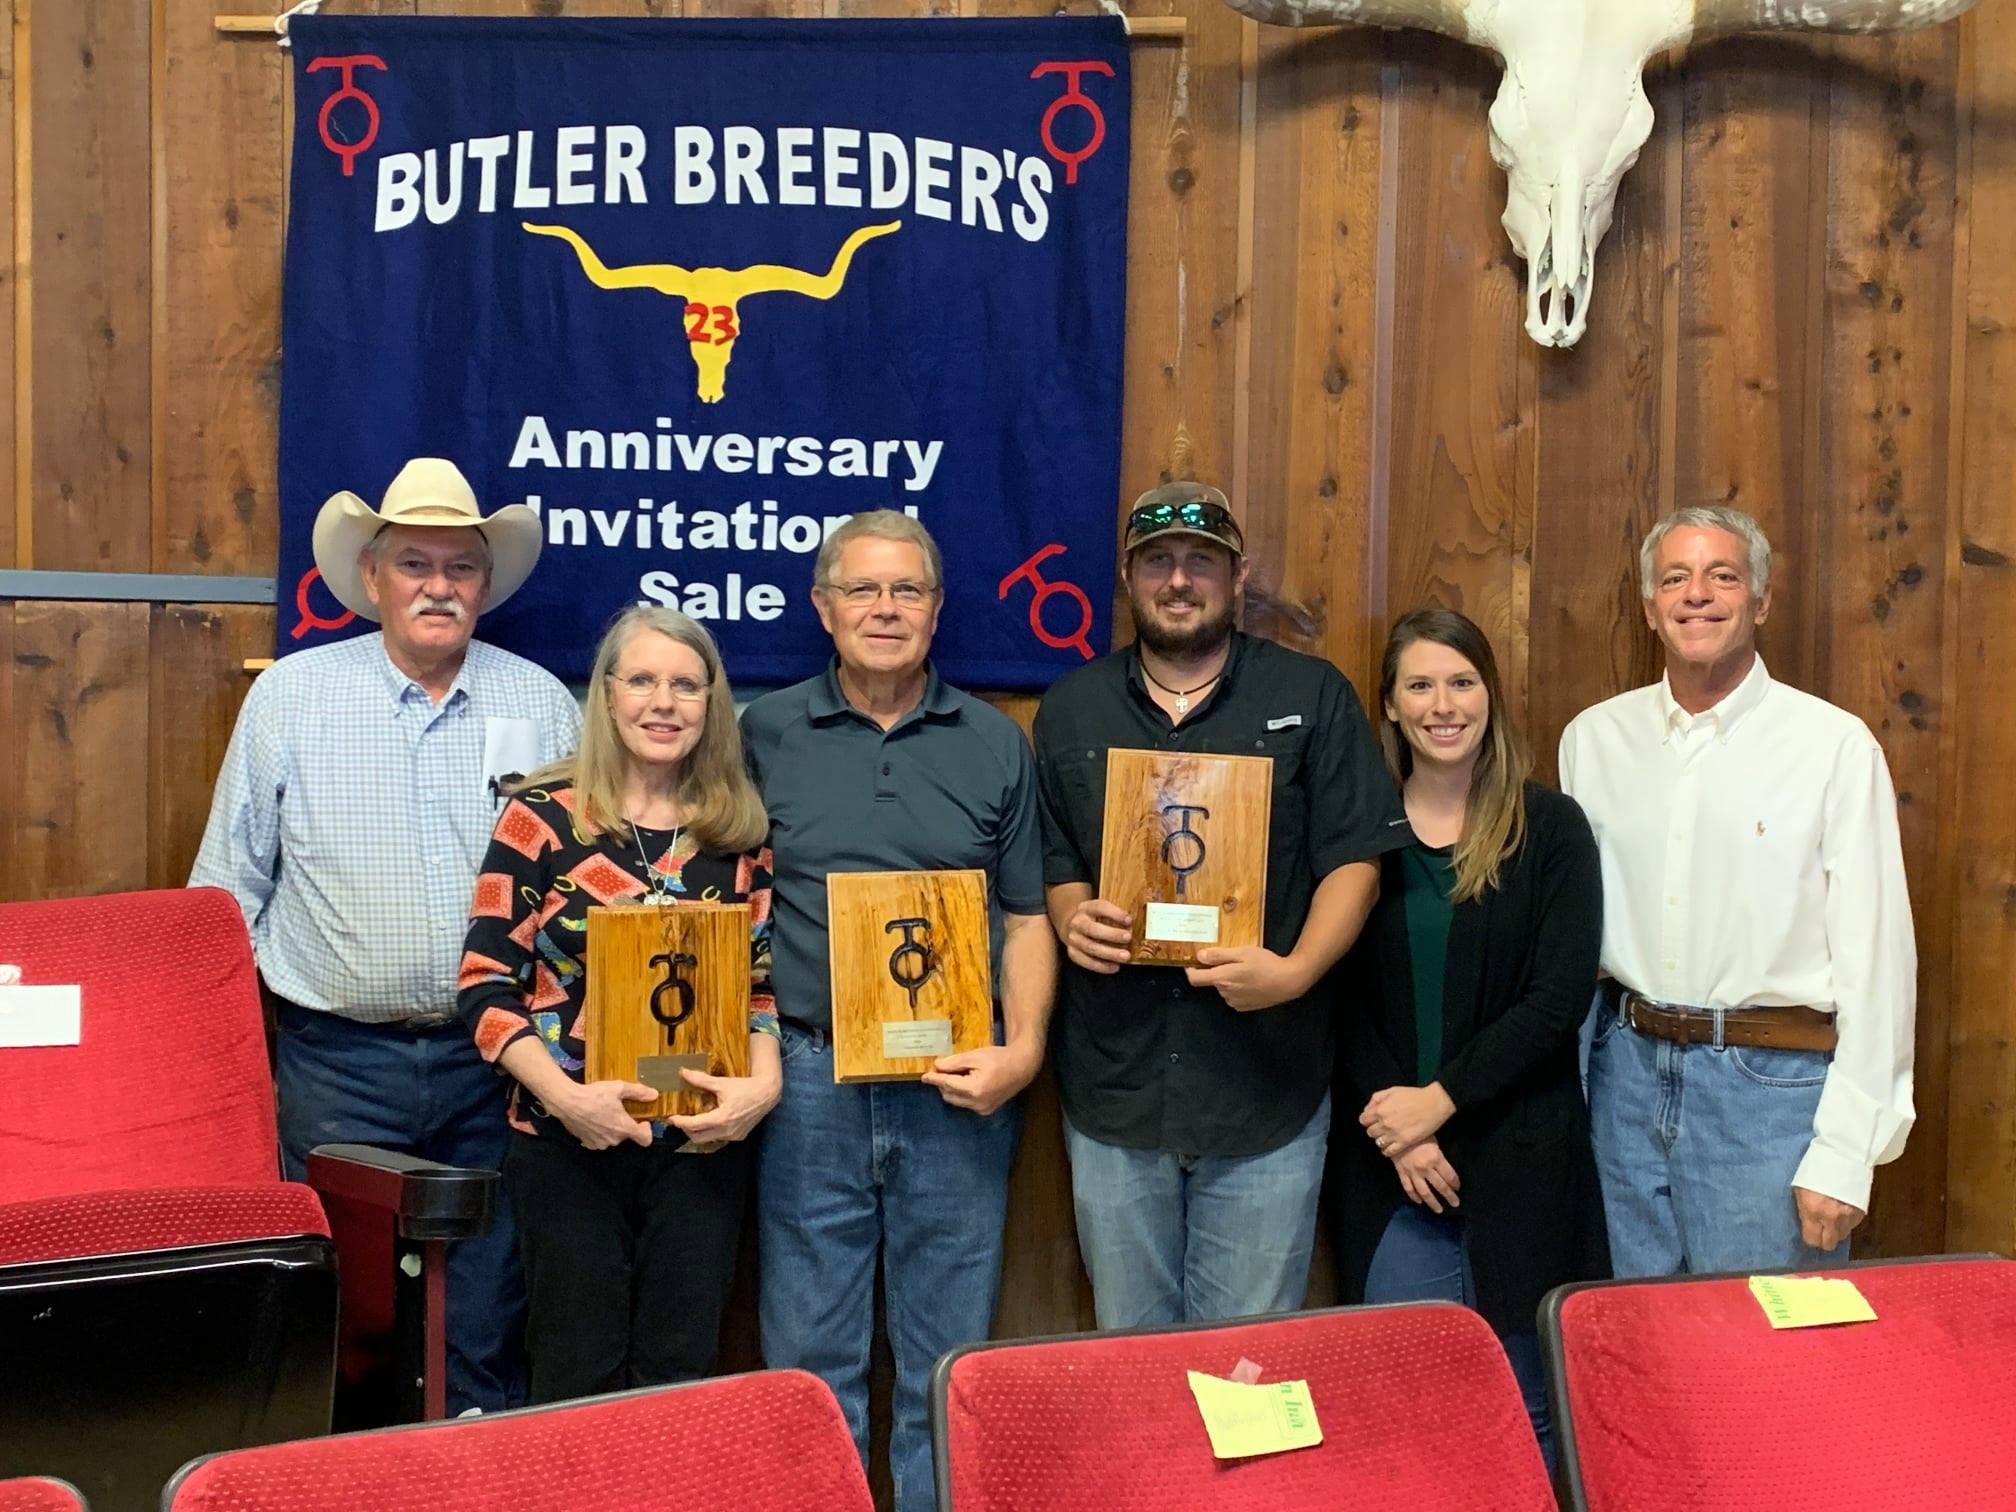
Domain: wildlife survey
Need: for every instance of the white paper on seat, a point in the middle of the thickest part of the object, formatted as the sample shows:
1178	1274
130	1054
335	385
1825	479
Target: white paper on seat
31	1016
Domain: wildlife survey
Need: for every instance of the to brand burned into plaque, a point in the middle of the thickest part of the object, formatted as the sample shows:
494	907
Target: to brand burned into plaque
910	966
1184	850
668	988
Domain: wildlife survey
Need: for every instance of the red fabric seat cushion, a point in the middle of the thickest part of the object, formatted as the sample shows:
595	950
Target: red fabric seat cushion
125	1223
170	1084
33	1494
769	1442
1418	1408
1683	1395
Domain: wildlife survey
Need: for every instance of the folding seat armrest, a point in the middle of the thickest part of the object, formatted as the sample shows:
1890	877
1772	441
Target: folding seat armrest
428	1200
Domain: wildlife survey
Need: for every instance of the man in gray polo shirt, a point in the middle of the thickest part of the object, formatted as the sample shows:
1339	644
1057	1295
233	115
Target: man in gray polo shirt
877	765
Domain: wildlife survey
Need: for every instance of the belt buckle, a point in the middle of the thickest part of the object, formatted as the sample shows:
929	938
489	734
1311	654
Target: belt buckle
1627	1006
417	1022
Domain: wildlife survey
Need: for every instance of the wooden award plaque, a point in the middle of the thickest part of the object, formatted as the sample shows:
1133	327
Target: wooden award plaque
668	986
912	979
1185	850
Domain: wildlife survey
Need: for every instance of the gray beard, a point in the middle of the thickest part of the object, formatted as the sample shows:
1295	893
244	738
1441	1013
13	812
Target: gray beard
1200	640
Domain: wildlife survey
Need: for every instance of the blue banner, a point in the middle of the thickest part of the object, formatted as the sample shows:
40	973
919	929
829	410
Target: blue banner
697	291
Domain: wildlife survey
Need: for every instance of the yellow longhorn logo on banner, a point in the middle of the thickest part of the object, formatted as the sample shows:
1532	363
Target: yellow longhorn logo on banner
713	294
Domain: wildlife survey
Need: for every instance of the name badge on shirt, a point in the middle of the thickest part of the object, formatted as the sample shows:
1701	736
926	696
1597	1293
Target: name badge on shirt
1285	722
510	748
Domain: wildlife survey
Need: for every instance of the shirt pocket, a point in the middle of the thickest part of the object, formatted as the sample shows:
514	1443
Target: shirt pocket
1288	751
1081	786
1776	853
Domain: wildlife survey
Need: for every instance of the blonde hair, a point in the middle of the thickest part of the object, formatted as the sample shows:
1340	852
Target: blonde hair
724	811
1494	819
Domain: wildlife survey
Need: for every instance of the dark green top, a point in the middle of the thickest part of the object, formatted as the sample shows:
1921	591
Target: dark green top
1427	874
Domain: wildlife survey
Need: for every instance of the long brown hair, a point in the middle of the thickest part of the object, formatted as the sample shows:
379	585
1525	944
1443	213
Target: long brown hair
1494	819
723	809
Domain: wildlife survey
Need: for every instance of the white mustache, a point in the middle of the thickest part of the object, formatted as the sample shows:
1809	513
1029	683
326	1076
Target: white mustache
424	604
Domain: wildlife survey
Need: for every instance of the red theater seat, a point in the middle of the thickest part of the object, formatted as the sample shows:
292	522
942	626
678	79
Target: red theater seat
1678	1393
770	1442
1417	1404
37	1493
162	1291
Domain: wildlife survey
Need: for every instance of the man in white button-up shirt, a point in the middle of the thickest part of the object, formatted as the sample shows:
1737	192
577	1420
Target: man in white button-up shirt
1751	1064
349	819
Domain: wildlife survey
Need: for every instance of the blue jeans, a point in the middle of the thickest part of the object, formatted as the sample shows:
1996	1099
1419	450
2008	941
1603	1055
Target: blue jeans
1171	1238
427	1094
849	1172
1697	1147
1422	1258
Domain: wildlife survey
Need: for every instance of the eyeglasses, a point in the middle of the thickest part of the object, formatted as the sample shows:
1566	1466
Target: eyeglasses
862	594
1199	514
641	685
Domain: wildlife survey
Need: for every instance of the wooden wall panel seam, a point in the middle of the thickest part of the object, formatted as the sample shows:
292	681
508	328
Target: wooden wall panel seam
157	286
9	279
24	287
1946	841
1244	265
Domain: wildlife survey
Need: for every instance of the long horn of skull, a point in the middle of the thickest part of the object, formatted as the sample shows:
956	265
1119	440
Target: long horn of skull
1571	113
1444	16
1719	18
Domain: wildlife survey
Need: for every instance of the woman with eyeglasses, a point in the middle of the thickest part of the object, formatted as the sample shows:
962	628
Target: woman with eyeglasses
1466	1174
627	1230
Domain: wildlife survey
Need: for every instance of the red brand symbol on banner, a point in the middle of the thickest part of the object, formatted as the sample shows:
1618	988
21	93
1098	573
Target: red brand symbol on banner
310	620
1044	589
1073	95
348	90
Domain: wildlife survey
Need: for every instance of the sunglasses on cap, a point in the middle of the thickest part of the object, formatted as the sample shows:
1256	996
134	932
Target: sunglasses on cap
1200	515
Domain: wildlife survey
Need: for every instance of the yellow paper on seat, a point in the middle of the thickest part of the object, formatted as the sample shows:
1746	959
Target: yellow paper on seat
1247	1420
1810	1301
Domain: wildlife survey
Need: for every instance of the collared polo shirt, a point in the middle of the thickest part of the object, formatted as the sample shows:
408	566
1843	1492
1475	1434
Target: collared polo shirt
950	786
1144	1059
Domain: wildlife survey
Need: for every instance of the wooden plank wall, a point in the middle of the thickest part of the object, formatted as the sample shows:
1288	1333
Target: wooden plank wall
1806	307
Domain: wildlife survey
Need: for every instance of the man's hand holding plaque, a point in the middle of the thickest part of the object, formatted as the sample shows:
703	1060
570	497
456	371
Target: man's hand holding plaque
1099	936
1249	977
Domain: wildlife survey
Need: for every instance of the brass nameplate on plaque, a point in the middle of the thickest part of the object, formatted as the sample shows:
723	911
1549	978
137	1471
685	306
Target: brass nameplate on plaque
667	987
662	1071
912	979
1184	850
932	1037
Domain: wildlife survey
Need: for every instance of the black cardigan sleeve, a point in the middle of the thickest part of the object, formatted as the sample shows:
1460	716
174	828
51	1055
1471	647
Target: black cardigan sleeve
1365	1058
1567	876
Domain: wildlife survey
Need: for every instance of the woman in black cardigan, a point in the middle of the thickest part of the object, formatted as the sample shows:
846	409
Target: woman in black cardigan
1468	1175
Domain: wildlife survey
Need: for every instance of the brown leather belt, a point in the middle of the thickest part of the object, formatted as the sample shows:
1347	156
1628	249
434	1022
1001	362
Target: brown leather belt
1791	1027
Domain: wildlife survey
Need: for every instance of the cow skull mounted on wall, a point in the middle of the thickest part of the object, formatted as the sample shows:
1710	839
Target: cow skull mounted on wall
1571	113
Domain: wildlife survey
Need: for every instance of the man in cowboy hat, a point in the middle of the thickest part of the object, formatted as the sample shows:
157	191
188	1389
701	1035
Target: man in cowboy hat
349	820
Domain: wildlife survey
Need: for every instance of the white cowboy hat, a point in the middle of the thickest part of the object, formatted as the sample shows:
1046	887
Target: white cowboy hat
428	491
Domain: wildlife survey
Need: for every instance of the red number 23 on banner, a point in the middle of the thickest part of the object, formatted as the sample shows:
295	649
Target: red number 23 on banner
724	323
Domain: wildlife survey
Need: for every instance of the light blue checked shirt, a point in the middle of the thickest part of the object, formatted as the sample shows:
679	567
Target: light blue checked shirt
352	813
